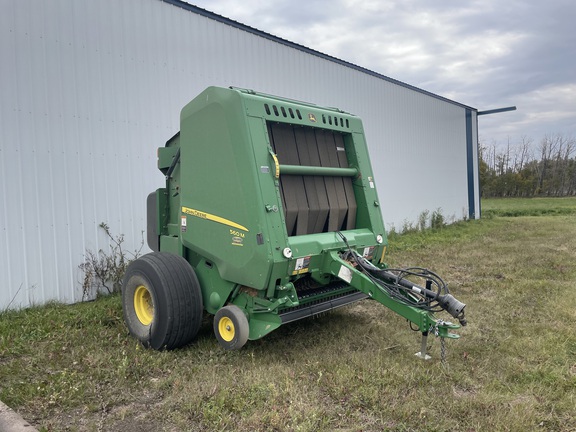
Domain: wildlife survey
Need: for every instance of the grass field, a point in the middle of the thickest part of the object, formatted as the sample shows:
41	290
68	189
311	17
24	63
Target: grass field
528	206
76	368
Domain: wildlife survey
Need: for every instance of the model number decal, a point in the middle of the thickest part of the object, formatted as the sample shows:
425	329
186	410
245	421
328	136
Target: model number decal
236	233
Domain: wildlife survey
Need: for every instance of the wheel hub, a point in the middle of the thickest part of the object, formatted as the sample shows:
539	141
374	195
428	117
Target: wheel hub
226	329
143	305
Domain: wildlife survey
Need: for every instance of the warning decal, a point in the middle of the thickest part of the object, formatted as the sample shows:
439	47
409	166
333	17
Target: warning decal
302	265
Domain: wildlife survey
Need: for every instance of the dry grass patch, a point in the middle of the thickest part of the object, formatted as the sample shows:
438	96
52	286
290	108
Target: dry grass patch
76	368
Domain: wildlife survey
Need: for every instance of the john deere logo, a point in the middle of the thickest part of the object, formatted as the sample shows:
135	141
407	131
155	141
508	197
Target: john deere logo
312	117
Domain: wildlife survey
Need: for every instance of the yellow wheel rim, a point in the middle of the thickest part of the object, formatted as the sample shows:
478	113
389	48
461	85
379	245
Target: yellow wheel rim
226	329
143	305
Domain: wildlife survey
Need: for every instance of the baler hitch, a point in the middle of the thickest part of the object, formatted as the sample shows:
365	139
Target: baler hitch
395	290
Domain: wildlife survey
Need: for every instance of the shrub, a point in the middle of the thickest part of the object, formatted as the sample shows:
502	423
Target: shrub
105	270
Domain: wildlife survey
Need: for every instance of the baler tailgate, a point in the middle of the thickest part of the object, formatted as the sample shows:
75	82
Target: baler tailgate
313	204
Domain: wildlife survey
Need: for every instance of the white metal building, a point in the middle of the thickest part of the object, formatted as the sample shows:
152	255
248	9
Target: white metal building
89	89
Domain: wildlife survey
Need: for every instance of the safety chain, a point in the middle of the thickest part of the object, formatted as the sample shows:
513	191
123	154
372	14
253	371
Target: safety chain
443	359
443	352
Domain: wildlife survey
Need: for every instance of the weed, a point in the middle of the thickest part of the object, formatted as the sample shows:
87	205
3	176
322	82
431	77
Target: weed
437	220
408	227
105	270
423	220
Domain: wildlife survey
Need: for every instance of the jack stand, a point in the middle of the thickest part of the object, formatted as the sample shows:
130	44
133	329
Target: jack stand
422	354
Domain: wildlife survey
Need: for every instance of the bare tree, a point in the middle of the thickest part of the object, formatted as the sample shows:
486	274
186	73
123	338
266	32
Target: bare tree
524	153
512	170
546	148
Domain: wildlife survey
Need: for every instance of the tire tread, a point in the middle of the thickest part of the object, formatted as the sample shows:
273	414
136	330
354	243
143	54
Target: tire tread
179	298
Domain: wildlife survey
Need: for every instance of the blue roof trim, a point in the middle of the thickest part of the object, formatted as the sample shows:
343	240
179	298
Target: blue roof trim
230	22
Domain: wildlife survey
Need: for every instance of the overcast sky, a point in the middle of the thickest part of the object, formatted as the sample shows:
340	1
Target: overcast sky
483	53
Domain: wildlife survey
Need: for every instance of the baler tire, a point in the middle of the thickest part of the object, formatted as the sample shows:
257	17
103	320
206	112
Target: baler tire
231	327
162	301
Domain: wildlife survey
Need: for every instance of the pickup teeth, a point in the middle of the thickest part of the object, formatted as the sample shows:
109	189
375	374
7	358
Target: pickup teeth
315	307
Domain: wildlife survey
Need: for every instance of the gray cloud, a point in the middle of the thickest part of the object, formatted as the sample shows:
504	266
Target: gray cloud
484	53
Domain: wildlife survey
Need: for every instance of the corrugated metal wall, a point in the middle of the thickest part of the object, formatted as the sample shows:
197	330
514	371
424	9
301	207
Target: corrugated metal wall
89	89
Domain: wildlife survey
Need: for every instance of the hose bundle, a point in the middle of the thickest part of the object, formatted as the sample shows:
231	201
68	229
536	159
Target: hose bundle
433	296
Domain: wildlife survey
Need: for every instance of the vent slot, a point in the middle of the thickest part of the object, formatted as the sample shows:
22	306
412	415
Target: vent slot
280	111
338	121
313	204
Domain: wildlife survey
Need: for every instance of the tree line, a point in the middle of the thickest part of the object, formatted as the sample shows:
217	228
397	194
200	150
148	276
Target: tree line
528	170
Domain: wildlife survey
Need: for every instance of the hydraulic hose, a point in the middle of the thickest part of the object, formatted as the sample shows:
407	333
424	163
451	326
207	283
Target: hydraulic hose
406	291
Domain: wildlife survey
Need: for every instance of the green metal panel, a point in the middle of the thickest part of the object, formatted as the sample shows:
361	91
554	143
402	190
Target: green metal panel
223	214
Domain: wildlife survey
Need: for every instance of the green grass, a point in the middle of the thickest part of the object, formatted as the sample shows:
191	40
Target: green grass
528	206
76	368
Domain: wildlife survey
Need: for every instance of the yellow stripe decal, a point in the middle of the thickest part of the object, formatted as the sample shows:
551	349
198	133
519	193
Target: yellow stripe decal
214	218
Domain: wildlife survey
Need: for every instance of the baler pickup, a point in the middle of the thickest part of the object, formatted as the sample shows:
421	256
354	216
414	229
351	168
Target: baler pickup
269	215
